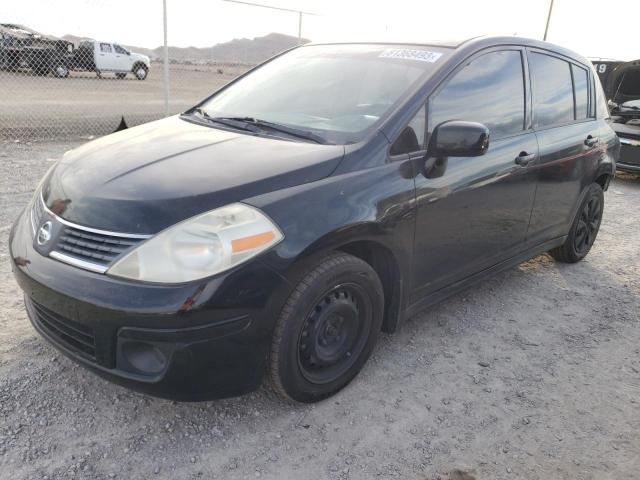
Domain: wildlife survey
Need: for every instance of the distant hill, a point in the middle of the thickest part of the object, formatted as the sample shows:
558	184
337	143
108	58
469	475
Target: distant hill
239	50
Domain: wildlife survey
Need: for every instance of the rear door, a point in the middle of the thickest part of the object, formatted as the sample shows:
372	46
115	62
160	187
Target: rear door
105	57
569	140
476	214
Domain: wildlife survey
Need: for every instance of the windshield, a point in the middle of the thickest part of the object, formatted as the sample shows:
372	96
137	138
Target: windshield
338	92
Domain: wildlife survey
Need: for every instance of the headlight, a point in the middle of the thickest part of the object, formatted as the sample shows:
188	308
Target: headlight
201	246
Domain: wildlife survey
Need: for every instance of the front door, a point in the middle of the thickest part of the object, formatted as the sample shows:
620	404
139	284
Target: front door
122	59
477	213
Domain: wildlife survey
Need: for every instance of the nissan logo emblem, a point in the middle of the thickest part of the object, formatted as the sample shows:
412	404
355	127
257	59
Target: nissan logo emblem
44	233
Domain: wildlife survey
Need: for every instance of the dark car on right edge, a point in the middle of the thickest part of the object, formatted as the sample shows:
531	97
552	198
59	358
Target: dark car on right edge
621	83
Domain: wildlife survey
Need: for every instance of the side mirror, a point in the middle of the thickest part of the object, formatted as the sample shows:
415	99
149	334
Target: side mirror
457	138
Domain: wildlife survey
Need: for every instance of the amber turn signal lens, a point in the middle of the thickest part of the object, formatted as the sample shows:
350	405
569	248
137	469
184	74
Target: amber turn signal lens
249	243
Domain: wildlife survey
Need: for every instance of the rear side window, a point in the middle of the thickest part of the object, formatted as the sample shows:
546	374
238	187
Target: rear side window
105	47
581	88
489	90
551	88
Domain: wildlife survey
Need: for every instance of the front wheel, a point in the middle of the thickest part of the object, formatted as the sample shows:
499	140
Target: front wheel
140	71
327	329
584	229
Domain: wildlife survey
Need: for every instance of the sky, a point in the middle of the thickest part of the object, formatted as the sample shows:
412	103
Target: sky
590	27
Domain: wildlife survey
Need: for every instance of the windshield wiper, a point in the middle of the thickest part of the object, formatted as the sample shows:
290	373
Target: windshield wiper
278	127
238	124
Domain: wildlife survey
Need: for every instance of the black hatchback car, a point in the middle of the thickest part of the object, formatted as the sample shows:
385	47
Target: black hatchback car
277	227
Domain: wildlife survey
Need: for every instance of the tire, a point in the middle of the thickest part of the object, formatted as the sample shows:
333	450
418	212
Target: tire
584	228
141	71
121	75
326	329
61	70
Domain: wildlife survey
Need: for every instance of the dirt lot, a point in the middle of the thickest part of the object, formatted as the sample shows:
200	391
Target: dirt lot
34	107
533	374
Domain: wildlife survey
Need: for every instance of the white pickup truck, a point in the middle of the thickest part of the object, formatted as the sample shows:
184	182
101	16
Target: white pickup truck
107	57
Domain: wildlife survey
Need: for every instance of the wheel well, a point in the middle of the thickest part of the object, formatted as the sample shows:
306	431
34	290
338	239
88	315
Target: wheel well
603	180
386	266
138	64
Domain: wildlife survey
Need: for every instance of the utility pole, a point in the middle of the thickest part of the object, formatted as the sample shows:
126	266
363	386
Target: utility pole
166	60
546	29
299	12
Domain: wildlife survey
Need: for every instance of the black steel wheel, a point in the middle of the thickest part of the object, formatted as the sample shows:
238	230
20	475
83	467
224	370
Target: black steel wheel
327	329
588	225
334	333
584	229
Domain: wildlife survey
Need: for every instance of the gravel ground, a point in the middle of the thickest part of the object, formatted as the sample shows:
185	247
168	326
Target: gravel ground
532	374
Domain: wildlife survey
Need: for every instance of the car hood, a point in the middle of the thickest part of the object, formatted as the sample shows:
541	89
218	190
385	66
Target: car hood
147	178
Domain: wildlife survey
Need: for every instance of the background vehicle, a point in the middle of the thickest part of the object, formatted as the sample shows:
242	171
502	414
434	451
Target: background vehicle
283	222
22	47
621	83
107	57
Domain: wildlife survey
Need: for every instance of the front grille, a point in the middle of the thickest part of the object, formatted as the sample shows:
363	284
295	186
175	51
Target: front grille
73	335
97	248
37	210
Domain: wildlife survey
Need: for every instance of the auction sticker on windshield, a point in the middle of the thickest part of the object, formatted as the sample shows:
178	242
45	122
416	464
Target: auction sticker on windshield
411	54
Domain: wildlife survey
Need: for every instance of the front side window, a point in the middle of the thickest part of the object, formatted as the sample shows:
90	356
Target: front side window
339	92
489	90
119	49
105	47
552	91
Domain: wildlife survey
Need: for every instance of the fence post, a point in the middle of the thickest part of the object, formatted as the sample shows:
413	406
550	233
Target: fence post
165	60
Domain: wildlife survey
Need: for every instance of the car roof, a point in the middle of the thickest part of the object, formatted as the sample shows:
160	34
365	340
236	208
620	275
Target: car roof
478	43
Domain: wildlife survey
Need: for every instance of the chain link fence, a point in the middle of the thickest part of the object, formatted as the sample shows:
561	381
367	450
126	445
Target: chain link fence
53	88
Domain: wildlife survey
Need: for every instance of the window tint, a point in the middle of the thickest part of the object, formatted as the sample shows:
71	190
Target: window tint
119	49
105	47
581	88
489	90
551	90
412	137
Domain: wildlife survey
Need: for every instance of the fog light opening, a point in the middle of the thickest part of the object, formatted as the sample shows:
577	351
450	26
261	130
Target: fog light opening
144	357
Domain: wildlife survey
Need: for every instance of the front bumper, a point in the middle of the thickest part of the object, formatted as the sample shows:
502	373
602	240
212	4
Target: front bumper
196	341
629	160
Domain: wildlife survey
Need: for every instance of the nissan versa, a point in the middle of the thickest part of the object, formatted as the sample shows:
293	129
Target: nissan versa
278	226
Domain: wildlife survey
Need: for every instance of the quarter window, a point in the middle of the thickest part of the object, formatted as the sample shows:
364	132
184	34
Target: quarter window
489	90
551	88
412	137
581	88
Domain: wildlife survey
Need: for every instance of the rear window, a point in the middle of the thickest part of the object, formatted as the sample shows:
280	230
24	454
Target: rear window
552	91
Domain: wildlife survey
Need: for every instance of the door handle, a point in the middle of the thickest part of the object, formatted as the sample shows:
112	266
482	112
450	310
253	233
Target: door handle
525	158
591	141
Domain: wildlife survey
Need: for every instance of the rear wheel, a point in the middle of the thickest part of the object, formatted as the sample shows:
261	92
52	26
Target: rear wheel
61	70
584	229
327	329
